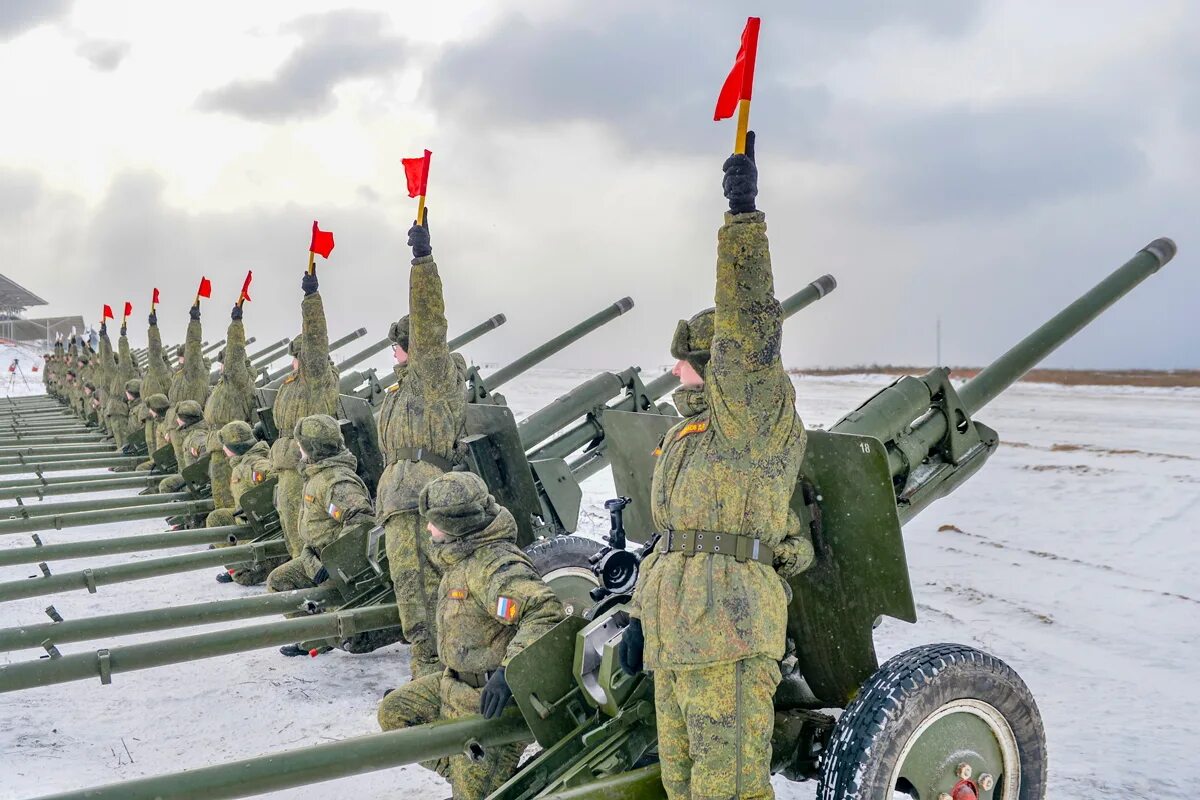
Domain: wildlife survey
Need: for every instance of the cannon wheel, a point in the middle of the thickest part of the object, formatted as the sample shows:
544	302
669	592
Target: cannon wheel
562	561
938	721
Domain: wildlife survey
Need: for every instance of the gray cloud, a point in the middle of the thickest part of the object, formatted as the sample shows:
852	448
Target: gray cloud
651	74
103	54
999	161
334	47
17	16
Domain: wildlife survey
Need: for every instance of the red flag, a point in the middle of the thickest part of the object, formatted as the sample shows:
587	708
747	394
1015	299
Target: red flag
205	289
322	242
107	313
128	309
245	295
154	298
416	170
739	85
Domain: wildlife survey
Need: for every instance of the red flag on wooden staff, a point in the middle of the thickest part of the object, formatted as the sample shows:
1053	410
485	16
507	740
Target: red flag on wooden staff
739	85
205	289
128	309
245	295
154	299
322	242
107	314
416	172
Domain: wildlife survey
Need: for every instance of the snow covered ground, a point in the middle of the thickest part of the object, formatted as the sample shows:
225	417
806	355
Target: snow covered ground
1074	555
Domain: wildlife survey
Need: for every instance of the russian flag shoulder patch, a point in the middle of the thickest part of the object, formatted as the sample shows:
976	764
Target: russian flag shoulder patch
506	608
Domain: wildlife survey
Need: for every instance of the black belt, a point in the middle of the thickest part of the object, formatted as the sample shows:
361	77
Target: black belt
736	545
476	680
422	454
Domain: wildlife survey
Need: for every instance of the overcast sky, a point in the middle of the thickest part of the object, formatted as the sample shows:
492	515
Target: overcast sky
981	162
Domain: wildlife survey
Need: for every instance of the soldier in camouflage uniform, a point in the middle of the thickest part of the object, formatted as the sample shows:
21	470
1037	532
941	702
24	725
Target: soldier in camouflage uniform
311	388
190	382
491	605
116	407
231	399
250	465
334	498
155	414
189	439
420	424
710	608
133	400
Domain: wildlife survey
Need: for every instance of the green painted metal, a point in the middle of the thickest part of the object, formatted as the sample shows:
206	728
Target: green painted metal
94	504
122	544
78	519
208	349
639	784
160	619
69	458
130	658
80	437
93	462
92	579
288	769
588	396
968	738
81	449
352	380
32	483
275	379
264	351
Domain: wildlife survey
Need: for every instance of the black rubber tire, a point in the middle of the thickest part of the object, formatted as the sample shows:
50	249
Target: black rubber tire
559	552
872	731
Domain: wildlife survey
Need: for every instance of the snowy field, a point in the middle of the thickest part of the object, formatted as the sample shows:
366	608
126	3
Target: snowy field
1074	555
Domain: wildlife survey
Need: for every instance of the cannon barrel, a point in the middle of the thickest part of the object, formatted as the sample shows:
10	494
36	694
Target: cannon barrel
590	431
207	349
80	519
129	658
161	619
320	762
93	462
82	448
92	504
275	379
558	343
261	361
93	578
71	461
121	544
32	482
273	346
83	436
353	380
591	394
106	483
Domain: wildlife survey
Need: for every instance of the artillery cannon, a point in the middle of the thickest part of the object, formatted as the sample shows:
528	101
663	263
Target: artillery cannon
938	720
275	379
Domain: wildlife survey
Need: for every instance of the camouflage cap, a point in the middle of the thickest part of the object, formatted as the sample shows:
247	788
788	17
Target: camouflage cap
134	386
91	387
221	356
458	504
398	333
693	338
294	347
179	351
158	402
320	436
238	436
189	411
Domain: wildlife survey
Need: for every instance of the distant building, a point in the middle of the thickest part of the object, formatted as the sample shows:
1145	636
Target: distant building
14	299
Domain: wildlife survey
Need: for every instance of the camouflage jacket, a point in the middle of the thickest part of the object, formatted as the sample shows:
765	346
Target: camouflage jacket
492	603
730	466
190	443
117	405
158	374
233	396
191	382
427	407
249	470
102	369
334	497
312	389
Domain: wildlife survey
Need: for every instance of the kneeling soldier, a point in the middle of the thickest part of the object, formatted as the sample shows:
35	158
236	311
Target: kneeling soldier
250	465
491	605
189	440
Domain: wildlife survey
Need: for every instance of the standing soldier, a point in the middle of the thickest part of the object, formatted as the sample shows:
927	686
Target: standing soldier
711	623
491	605
420	424
133	398
190	382
116	407
231	399
157	380
250	464
334	498
311	388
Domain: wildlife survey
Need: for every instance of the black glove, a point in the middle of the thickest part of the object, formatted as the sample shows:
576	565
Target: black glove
195	312
153	318
309	283
741	179
236	314
104	328
123	331
629	651
496	695
260	431
418	238
321	576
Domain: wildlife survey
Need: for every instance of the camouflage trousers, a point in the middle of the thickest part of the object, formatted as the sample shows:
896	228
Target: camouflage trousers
243	576
219	474
289	499
289	576
171	483
118	426
714	729
439	696
415	580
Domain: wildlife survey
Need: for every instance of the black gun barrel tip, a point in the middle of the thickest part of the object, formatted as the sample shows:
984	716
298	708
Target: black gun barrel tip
1163	249
499	319
825	284
624	304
